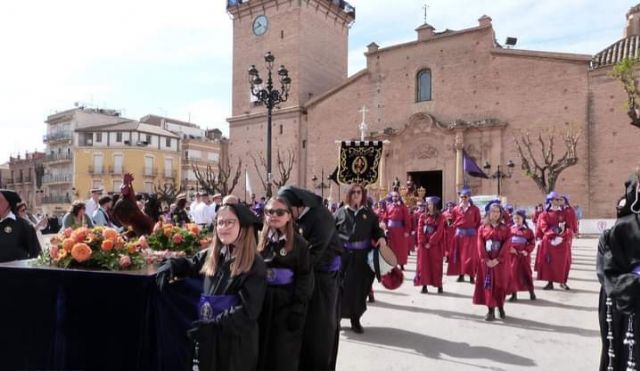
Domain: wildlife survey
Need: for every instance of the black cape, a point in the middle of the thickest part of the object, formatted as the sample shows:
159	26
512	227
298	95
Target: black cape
357	276
232	342
18	240
285	306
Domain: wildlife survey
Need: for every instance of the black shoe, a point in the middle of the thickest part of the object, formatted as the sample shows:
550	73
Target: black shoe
491	315
513	297
440	290
564	286
356	326
401	267
424	290
501	312
372	298
460	278
471	279
549	286
532	295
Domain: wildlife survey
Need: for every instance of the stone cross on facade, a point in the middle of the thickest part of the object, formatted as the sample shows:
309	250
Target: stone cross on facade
425	7
363	124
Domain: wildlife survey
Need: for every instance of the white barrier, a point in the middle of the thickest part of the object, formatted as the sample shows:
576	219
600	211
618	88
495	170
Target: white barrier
595	226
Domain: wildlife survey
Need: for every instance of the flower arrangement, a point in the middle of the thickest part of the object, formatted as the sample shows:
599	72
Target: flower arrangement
186	240
98	248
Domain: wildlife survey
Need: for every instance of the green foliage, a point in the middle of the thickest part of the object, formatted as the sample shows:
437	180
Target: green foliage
624	72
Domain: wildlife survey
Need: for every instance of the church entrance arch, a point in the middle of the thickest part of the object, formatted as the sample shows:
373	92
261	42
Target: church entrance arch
431	181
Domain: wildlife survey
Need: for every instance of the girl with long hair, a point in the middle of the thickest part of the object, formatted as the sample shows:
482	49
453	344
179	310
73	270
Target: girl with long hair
492	277
359	229
289	288
226	335
431	238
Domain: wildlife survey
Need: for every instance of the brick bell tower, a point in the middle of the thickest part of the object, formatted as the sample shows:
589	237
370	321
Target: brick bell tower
309	37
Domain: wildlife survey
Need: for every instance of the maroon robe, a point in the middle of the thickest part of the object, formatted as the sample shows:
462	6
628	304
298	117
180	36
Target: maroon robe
431	230
398	221
449	232
523	241
492	283
463	254
415	215
554	262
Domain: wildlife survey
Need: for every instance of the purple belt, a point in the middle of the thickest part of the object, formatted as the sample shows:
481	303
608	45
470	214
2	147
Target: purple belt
395	223
428	229
518	240
636	270
279	276
212	305
357	245
466	232
334	265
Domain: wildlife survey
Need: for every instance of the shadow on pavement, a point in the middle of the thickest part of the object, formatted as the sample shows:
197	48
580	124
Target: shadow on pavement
509	321
435	348
546	303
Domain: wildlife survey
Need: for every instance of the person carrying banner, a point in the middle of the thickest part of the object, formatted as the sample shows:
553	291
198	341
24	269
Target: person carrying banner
398	221
431	238
316	225
463	255
522	244
494	244
359	230
553	262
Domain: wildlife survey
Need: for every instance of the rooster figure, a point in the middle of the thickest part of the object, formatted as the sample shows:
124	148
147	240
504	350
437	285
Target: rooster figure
127	212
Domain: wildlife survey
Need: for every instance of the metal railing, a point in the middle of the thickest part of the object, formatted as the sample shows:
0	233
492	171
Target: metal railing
115	170
150	171
96	170
57	178
60	135
58	157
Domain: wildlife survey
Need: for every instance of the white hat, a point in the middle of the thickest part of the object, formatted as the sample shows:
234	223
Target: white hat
386	261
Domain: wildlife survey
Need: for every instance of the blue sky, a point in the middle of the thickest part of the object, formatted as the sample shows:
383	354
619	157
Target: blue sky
174	58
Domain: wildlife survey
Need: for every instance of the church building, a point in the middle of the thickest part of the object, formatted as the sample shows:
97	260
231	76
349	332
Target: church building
433	100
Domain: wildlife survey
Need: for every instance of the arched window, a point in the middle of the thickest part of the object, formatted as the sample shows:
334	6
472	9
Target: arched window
423	81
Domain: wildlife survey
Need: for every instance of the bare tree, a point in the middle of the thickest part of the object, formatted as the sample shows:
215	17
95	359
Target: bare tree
221	180
284	166
543	167
624	72
168	192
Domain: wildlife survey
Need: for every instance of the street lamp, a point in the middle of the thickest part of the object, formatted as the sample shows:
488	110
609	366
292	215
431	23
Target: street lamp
322	184
270	97
499	174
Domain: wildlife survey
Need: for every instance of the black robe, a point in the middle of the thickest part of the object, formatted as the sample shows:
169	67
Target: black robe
231	341
618	254
357	276
321	332
18	240
284	310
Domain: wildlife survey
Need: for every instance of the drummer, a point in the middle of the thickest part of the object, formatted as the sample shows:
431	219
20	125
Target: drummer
359	229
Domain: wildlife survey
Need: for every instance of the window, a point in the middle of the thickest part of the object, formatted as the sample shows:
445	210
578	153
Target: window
148	187
99	137
98	162
117	164
119	137
168	168
148	140
213	156
148	166
281	129
424	86
116	185
168	142
194	154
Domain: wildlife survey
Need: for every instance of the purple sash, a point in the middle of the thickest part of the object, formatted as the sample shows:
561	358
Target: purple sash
357	245
212	305
395	223
518	240
334	265
279	276
466	232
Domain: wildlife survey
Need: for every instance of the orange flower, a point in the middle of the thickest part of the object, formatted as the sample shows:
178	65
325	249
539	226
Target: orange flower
62	253
81	252
67	244
119	243
107	245
110	234
67	232
193	228
80	234
205	243
53	252
56	239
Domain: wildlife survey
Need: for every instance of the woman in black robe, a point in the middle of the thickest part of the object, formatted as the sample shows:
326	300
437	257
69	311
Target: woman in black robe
359	229
618	269
226	335
289	288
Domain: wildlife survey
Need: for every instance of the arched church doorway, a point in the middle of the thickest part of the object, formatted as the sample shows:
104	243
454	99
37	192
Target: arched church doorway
430	180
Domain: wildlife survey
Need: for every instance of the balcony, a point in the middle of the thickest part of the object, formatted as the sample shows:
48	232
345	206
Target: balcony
170	174
57	178
58	157
57	136
25	179
150	171
116	170
56	200
96	170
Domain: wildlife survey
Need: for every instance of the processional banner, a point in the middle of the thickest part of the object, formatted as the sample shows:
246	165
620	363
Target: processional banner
359	162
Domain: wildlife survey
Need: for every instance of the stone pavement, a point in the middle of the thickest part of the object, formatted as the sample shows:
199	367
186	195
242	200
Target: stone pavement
406	330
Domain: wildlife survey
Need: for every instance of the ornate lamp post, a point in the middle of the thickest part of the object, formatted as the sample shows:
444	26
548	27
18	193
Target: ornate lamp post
499	174
270	97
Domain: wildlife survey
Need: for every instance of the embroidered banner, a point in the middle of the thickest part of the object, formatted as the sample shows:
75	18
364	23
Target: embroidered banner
359	162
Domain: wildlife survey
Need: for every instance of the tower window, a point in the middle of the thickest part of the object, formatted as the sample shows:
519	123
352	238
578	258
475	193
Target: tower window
423	82
281	129
282	34
304	143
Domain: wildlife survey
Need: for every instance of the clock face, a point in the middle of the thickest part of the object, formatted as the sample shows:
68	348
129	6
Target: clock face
260	25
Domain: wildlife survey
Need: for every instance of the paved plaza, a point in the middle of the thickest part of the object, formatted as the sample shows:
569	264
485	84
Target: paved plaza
406	330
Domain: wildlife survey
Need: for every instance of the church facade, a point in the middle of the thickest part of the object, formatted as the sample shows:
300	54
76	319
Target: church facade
430	99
